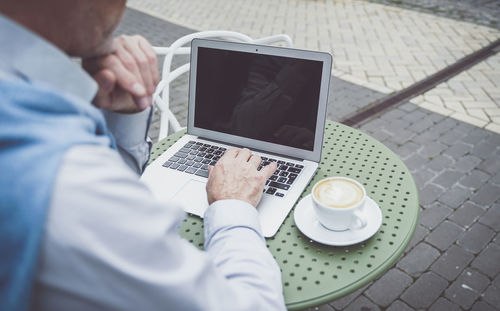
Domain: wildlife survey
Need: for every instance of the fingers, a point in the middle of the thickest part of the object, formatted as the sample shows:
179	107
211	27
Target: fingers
268	170
244	155
138	61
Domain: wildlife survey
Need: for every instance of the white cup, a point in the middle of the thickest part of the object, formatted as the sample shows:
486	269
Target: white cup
339	203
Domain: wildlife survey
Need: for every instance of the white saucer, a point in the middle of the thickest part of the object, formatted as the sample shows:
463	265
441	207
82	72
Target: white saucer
308	224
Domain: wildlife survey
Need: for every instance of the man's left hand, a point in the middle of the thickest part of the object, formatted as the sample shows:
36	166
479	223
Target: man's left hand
127	77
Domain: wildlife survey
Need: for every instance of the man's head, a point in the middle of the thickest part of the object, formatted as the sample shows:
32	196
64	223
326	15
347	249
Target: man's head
81	28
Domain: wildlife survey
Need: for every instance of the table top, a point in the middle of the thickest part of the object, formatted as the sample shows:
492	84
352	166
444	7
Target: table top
312	273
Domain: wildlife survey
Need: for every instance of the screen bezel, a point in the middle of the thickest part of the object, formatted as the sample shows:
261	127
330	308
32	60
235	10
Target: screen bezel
325	58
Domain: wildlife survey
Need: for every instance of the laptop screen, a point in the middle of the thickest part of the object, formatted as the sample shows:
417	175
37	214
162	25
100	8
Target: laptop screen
263	97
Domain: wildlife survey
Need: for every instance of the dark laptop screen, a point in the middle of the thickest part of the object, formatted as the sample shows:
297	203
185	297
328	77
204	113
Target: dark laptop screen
269	98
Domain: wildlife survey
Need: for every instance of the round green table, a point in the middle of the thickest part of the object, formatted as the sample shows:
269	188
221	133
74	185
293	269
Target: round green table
312	273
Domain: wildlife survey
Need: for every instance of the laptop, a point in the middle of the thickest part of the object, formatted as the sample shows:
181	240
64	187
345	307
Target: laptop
271	100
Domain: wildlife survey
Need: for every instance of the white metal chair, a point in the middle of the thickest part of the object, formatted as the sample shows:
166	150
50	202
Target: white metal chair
162	93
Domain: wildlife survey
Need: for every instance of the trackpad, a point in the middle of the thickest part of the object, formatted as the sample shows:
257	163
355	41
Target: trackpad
192	197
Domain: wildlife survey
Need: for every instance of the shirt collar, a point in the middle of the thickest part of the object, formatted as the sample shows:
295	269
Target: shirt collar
27	56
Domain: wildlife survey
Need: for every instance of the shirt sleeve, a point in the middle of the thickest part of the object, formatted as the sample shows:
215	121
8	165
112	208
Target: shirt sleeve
108	245
131	135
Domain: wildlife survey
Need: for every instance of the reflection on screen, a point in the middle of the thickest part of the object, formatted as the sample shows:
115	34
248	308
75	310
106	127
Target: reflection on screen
268	98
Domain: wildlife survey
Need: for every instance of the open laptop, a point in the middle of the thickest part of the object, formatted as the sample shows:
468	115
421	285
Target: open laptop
271	100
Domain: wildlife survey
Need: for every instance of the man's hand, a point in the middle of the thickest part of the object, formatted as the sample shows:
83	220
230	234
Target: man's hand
127	77
235	176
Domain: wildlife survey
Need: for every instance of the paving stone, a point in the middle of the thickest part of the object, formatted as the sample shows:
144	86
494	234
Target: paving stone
455	196
487	195
343	302
476	238
483	150
467	163
420	125
490	165
432	149
497	239
482	306
496	179
467	288
418	259
474	180
398	305
389	287
422	177
447	178
419	235
475	136
434	215
407	149
492	295
451	137
425	290
466	214
324	307
440	163
488	259
444	235
362	303
443	304
408	107
458	150
452	262
492	217
430	193
402	136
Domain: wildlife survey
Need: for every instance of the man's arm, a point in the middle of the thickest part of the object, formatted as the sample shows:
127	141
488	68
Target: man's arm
109	245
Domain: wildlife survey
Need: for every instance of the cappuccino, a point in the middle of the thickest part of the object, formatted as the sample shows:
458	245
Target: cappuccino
338	193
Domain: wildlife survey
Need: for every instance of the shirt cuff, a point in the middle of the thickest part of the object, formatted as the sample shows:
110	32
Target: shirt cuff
228	214
129	130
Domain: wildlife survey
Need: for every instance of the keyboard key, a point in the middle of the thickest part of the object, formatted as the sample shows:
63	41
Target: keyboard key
222	149
202	173
211	151
283	167
182	161
289	164
199	144
202	154
198	159
185	150
294	170
209	156
218	152
203	149
279	194
190	170
299	166
216	158
197	165
271	190
276	172
292	175
193	152
174	159
282	179
195	147
281	162
206	161
207	145
167	164
284	174
192	142
204	167
181	154
191	157
263	158
272	160
273	178
174	166
188	145
290	181
279	185
267	182
182	168
213	162
190	163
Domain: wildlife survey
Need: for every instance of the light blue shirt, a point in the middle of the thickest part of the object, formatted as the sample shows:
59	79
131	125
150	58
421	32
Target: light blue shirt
108	244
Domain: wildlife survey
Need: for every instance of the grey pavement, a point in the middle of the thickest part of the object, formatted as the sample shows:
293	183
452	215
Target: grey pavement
453	260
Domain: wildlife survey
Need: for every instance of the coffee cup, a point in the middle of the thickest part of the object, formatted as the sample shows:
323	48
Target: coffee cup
339	203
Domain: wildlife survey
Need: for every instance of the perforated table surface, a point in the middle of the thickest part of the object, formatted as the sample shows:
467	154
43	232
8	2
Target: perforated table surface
312	273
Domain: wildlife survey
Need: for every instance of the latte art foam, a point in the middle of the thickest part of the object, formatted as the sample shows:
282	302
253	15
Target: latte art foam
338	193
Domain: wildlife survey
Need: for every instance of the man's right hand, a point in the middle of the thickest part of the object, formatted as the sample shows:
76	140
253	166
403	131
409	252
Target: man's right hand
235	176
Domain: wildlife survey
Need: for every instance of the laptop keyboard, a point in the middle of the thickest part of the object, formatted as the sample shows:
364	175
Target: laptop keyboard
195	157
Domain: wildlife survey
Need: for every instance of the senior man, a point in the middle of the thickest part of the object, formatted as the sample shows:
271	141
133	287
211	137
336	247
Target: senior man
78	230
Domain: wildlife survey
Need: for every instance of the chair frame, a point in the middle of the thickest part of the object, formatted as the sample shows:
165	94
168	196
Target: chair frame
161	96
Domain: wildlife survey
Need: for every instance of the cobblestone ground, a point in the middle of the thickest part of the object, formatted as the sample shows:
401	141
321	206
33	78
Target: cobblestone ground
482	12
452	262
